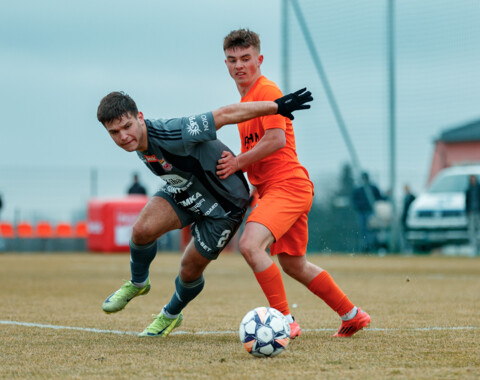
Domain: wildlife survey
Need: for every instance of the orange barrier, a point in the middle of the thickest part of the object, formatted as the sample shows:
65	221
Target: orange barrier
7	230
43	236
25	230
26	241
64	230
44	230
81	230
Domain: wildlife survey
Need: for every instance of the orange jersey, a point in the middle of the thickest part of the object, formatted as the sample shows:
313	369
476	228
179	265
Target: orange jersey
281	165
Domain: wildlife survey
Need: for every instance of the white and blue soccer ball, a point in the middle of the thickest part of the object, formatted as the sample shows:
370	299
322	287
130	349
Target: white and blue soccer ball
264	332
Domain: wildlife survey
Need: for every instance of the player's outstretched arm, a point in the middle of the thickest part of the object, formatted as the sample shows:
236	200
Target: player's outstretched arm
240	112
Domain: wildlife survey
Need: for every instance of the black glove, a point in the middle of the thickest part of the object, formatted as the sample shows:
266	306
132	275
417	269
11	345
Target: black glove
294	102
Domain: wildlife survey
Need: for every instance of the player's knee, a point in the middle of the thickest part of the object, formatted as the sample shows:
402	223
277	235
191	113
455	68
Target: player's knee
291	270
246	248
190	273
141	234
294	266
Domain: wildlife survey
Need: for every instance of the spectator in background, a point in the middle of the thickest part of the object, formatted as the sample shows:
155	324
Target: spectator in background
472	207
408	198
1	205
363	206
136	187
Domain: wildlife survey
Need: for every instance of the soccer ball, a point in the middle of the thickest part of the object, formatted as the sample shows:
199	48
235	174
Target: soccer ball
264	332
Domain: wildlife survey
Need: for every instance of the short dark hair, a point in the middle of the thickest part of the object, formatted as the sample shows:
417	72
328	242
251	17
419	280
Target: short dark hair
242	38
114	105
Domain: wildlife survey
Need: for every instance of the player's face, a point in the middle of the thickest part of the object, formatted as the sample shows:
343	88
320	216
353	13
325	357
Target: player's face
128	132
244	66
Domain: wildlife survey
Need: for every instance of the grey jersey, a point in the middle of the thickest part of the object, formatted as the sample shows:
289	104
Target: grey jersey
184	153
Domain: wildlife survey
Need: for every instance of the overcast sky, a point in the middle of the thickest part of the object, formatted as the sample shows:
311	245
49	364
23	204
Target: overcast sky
59	58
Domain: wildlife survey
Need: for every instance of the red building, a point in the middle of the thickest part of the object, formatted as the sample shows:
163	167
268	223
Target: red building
460	145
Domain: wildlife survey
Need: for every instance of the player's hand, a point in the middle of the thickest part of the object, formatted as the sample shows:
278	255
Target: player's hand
227	165
294	102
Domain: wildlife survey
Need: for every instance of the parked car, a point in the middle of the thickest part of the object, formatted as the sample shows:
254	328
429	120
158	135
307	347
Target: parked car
437	217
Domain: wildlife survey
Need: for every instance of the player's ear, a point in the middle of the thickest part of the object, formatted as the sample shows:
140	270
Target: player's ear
260	59
140	116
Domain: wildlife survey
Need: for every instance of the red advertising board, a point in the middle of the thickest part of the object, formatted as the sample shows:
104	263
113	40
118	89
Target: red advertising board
110	222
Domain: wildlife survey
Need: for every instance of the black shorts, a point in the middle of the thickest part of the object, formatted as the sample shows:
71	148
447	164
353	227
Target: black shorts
210	235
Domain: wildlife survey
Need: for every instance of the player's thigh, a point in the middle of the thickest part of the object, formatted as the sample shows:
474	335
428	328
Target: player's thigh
255	235
156	218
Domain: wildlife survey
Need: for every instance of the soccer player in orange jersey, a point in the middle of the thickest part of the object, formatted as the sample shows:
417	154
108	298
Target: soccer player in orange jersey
279	221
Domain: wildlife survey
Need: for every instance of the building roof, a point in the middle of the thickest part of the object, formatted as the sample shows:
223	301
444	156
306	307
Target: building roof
466	132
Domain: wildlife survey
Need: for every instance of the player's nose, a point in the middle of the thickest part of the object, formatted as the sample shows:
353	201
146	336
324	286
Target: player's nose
123	135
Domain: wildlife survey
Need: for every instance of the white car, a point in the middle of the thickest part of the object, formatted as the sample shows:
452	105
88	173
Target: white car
437	217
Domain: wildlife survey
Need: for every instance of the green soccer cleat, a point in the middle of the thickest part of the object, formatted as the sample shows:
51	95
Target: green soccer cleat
162	326
118	300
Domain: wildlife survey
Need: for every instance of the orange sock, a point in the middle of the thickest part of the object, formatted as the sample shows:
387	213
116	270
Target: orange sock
324	287
271	282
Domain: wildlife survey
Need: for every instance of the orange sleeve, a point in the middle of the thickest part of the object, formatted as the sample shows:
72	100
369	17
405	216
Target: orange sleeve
268	92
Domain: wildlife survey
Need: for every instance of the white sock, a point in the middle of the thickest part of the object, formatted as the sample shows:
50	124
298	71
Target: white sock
139	285
168	315
352	313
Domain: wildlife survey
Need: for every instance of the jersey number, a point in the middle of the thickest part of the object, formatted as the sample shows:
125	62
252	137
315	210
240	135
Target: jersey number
224	238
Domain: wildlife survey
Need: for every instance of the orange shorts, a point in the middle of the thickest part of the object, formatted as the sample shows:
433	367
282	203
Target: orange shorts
283	209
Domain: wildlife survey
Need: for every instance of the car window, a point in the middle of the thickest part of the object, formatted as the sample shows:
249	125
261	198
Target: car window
450	184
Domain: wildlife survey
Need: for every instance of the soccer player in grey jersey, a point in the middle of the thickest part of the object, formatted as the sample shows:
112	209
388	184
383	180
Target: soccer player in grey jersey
183	152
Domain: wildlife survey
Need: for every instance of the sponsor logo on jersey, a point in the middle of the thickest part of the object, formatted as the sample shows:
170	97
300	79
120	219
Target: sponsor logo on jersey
251	140
177	183
196	207
206	127
209	211
200	241
193	127
152	158
190	200
165	165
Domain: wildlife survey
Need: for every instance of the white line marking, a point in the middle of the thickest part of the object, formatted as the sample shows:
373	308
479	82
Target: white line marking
59	327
